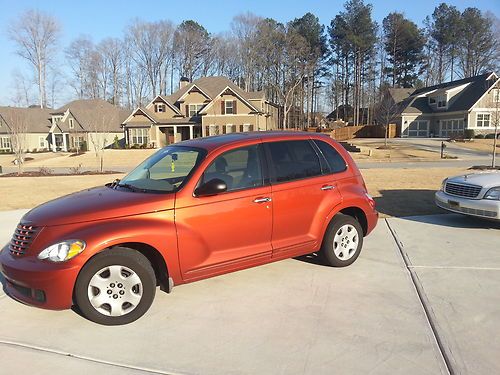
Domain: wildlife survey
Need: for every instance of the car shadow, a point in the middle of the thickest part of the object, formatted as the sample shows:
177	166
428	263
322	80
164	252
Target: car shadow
418	205
407	202
312	258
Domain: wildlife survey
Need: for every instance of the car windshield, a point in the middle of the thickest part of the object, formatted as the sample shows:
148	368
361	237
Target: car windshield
164	172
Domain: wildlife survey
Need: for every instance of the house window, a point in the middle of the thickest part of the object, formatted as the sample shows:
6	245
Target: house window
71	123
194	109
42	142
159	107
432	100
496	95
483	120
139	136
247	128
213	130
441	101
5	143
229	107
56	119
230	128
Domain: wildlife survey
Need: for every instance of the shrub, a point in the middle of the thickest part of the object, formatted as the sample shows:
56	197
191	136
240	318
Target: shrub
76	170
44	171
479	136
490	136
116	144
469	133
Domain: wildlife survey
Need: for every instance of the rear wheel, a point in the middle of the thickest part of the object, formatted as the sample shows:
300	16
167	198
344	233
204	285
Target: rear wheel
115	287
342	242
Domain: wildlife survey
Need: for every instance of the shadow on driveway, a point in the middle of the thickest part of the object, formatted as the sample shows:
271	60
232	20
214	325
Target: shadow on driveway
406	202
455	221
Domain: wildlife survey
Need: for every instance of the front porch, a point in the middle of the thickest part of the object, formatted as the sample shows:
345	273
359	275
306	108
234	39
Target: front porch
64	142
161	135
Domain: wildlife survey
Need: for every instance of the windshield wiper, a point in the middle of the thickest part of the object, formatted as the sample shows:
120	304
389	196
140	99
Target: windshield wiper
131	187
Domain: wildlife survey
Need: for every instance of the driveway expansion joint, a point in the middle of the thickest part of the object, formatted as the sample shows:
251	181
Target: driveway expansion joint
85	358
424	302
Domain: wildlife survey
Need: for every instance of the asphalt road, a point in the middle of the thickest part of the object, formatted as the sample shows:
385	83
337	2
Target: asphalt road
421	299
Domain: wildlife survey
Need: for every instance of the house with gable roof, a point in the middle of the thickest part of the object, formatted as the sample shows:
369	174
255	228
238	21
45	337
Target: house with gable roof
206	106
84	121
448	109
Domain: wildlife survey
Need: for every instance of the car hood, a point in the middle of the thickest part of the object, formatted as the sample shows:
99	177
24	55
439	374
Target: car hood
486	180
97	204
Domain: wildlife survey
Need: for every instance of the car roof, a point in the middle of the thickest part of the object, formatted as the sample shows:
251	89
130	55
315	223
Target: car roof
216	141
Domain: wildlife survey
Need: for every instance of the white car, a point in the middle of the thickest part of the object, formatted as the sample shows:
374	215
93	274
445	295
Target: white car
476	194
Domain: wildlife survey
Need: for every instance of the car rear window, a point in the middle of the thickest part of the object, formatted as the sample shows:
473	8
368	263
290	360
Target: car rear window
335	161
293	160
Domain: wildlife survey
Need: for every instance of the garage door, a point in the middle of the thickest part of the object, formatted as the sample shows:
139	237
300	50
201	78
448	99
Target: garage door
418	129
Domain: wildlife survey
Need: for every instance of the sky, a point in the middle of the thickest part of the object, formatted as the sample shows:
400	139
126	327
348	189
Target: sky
109	18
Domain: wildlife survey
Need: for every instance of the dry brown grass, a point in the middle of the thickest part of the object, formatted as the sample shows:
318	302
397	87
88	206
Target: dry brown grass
480	145
112	159
374	151
27	192
406	192
398	192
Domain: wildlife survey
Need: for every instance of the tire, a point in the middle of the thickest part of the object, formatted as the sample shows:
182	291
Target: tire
342	242
116	286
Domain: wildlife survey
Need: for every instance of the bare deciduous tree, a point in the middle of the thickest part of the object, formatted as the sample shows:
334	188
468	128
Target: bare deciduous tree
17	127
151	50
386	112
100	130
36	35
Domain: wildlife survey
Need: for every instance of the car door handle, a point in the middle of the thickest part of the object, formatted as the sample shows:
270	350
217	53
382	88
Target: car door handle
262	200
328	187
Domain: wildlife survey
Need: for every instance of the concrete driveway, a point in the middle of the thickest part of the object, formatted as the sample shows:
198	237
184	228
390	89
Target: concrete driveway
423	298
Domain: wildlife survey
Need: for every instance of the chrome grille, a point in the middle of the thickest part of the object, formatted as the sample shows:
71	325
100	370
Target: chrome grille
462	190
22	238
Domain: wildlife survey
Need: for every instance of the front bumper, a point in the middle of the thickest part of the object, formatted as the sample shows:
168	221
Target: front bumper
38	283
483	208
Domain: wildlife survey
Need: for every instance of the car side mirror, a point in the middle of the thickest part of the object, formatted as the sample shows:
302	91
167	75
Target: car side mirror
213	187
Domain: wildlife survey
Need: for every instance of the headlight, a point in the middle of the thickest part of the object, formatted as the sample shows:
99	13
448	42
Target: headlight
443	184
493	194
63	251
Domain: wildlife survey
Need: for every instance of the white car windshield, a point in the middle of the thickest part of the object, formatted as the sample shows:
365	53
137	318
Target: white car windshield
165	171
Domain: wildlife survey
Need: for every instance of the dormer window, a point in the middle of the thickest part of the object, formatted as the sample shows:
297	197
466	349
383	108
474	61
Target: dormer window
432	100
441	101
160	107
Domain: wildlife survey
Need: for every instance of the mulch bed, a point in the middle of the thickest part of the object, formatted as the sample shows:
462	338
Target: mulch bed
42	174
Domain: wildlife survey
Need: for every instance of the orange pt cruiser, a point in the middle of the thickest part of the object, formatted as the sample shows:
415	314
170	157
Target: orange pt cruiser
193	210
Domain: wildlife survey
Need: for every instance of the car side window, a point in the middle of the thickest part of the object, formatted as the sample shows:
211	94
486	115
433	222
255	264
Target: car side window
239	169
294	160
336	162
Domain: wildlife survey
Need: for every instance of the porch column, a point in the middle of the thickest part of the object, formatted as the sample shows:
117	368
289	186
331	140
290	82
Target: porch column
65	146
191	132
53	137
175	133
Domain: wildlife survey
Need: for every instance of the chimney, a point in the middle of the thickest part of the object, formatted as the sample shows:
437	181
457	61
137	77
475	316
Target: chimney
184	81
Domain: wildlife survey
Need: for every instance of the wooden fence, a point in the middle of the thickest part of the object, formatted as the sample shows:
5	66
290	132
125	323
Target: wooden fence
363	131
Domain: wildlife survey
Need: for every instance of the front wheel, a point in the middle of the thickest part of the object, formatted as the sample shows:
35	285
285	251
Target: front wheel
342	242
115	287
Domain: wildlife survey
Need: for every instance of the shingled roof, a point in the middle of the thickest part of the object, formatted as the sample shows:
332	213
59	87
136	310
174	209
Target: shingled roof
88	112
37	120
212	86
475	88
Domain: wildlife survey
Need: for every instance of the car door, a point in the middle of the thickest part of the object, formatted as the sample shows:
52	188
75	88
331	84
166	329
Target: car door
303	195
231	230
